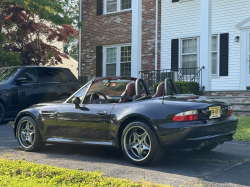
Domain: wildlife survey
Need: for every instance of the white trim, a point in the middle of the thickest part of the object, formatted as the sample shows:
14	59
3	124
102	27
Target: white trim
136	38
243	59
205	42
118	8
80	42
156	34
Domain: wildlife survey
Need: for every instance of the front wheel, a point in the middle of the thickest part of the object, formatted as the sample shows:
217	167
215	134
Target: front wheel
28	135
140	144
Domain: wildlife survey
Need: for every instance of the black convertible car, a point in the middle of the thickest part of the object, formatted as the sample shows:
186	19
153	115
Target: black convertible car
121	112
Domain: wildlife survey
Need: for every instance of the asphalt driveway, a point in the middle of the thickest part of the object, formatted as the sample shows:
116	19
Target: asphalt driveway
227	165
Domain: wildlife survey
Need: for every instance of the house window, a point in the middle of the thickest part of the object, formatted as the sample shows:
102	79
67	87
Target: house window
117	60
214	57
112	6
189	55
111	61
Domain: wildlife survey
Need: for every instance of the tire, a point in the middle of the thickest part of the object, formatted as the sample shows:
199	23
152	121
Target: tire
144	148
28	135
206	148
2	113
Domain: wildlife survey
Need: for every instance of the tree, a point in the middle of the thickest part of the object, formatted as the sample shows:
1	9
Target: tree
28	25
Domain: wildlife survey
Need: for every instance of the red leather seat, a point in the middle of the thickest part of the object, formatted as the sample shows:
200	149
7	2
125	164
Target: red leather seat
129	93
159	90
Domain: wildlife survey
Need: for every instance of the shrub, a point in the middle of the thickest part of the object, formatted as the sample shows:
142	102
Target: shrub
21	173
183	87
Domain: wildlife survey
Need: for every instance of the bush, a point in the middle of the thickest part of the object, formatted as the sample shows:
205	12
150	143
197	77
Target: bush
183	87
22	173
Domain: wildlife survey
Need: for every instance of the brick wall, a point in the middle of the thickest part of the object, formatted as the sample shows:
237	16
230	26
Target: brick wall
116	29
148	34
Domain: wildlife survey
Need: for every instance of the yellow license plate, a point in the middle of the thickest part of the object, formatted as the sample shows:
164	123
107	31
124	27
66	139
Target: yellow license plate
215	112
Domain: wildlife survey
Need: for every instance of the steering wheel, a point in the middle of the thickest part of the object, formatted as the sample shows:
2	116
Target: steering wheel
99	101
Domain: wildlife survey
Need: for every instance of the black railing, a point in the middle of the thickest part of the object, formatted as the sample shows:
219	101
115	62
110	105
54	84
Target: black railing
183	74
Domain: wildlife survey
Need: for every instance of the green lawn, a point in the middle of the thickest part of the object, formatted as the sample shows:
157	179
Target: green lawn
22	173
243	129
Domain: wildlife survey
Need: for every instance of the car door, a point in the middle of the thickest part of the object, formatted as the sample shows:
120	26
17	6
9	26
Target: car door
89	122
65	85
49	88
28	93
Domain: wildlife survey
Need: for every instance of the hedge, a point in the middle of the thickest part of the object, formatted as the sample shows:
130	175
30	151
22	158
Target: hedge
21	173
183	87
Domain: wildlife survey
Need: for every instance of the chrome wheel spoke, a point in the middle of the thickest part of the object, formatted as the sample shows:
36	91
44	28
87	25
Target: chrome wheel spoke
145	147
140	153
133	145
135	136
30	139
23	134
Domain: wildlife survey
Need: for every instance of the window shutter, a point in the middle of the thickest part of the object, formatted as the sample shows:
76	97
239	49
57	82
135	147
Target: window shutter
224	48
174	54
99	7
173	1
98	61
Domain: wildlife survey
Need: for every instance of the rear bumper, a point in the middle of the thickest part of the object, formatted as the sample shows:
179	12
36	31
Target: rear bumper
184	135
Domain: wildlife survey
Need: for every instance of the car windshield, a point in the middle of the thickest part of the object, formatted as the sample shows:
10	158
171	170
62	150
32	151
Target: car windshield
6	74
110	87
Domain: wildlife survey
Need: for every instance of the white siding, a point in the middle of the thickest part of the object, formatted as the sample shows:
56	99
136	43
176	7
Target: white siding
183	20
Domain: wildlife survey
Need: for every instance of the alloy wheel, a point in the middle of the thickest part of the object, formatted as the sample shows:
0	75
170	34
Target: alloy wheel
26	134
137	143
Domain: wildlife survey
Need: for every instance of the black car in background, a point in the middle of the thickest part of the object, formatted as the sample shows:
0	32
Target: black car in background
21	87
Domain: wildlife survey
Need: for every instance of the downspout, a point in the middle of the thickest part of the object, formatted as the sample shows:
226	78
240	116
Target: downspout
156	33
80	40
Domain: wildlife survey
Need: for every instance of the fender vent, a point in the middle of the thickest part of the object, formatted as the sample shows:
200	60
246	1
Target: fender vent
48	113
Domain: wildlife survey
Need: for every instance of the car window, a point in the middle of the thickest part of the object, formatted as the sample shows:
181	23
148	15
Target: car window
30	75
70	75
46	74
60	76
7	74
81	93
110	87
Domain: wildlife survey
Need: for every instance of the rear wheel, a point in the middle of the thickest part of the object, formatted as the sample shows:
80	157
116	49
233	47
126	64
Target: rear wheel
206	148
28	135
140	144
2	113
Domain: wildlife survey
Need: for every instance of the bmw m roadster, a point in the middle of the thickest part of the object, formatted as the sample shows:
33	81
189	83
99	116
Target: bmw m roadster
121	112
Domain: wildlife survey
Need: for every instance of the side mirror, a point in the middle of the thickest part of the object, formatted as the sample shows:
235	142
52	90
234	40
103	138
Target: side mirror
21	80
77	102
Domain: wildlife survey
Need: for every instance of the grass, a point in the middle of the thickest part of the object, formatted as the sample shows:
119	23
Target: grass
21	173
243	129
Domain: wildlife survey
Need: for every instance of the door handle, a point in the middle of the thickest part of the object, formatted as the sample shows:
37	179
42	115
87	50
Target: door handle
102	112
35	87
58	85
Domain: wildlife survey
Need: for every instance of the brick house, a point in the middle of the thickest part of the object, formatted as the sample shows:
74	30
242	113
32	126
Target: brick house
118	37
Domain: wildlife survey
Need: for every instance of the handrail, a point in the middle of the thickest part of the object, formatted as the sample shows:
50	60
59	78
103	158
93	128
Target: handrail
203	67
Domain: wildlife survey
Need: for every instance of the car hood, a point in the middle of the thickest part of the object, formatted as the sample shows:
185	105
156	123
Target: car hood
50	106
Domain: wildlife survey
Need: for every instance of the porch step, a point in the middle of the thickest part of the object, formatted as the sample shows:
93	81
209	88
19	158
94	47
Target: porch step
245	103
242	110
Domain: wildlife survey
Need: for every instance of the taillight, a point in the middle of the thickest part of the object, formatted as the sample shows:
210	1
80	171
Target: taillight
230	111
191	115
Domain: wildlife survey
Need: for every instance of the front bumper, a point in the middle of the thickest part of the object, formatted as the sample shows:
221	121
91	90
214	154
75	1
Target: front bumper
184	135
